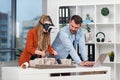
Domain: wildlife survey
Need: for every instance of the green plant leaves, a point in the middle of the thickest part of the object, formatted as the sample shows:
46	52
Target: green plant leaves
111	54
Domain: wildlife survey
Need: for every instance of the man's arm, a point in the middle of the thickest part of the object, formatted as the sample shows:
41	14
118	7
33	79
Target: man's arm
67	43
82	47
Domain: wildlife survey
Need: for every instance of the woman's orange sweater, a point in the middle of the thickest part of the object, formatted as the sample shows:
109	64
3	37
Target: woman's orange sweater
31	46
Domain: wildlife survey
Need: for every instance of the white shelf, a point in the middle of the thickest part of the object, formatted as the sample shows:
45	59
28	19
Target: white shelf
105	23
104	43
109	25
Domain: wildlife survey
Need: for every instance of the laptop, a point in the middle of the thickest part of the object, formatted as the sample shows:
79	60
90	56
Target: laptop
100	60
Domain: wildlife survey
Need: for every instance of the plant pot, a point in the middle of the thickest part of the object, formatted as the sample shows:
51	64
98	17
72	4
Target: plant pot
111	59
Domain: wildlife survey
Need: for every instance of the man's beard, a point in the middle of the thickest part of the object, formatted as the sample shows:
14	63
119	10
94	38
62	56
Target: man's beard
73	32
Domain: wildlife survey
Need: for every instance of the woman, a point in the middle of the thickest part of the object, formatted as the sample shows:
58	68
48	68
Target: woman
37	42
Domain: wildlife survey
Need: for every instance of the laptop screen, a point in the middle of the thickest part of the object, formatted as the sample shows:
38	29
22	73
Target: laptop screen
100	60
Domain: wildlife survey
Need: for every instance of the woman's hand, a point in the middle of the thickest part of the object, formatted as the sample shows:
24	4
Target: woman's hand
25	65
42	53
51	51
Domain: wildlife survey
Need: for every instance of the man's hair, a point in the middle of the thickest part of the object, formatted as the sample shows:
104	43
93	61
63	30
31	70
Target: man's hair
77	19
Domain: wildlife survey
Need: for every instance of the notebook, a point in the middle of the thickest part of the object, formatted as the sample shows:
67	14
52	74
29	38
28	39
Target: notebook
100	60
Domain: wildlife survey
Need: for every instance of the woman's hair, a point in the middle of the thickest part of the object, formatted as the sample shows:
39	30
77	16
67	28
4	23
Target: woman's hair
43	37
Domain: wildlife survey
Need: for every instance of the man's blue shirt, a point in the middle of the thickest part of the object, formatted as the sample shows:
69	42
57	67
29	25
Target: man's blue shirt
63	44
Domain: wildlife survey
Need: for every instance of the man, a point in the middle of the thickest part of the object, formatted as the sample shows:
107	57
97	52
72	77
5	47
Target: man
68	35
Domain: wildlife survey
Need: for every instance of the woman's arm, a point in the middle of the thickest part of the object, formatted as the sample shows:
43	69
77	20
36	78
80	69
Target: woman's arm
51	50
31	41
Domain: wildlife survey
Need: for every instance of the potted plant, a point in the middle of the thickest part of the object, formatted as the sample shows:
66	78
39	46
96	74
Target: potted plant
111	55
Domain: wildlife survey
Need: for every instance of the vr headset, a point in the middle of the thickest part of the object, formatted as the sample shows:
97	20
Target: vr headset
46	26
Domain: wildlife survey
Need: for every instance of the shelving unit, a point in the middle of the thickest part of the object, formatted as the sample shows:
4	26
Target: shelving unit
109	25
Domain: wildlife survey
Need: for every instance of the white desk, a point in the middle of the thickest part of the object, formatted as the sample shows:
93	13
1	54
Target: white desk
79	73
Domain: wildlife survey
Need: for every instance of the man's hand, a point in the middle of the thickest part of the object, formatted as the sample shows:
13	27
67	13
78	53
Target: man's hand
86	63
54	52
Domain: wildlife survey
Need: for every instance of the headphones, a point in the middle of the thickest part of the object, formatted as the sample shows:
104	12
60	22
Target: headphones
100	37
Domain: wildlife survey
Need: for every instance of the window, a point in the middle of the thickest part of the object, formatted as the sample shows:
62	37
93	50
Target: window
14	15
27	17
5	28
